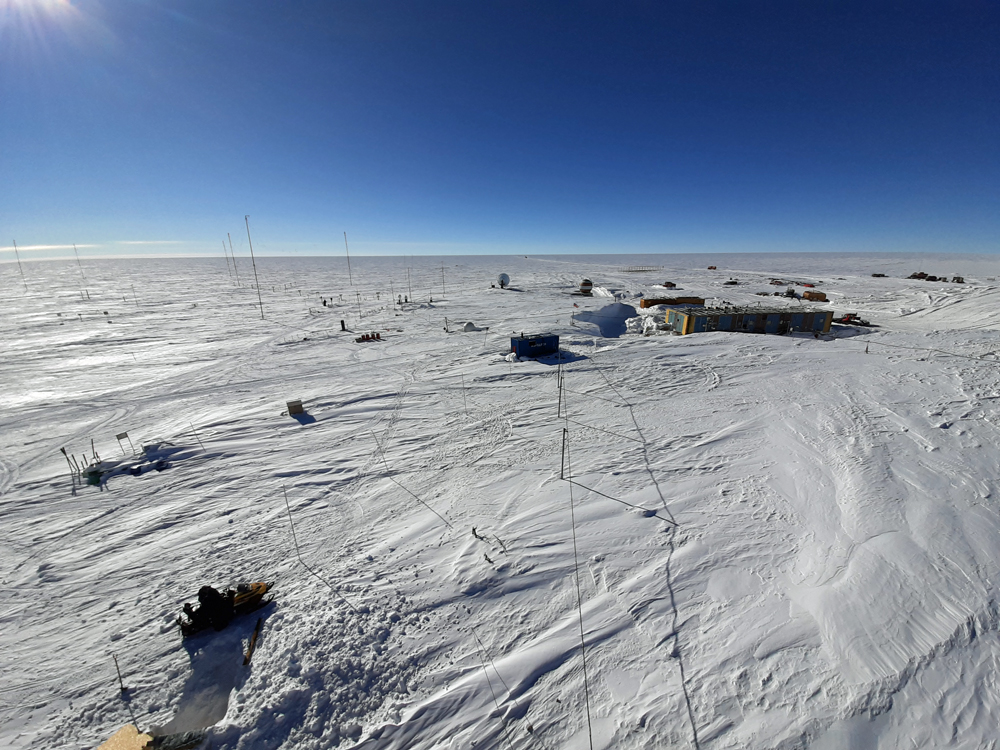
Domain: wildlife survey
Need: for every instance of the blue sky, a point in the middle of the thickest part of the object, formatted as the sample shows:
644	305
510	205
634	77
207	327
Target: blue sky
493	127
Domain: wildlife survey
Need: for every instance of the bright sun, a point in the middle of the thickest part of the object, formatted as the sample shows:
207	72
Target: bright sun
32	22
35	10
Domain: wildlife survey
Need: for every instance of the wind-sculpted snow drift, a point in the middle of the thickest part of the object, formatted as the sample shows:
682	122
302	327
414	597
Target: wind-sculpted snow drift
779	541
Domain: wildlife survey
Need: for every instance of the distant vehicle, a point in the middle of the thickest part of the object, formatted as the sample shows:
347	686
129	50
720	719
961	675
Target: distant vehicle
711	268
878	275
851	319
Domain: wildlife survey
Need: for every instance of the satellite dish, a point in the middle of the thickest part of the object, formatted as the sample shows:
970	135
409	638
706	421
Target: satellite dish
503	280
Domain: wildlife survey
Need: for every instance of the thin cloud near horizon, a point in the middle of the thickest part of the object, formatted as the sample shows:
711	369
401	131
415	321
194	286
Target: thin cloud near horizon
21	248
149	242
78	246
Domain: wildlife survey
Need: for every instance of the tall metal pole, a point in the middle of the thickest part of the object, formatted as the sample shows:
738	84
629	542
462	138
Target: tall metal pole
227	259
75	252
237	270
349	276
254	262
18	256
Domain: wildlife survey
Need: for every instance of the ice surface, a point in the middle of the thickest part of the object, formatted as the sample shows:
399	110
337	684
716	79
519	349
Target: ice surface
782	541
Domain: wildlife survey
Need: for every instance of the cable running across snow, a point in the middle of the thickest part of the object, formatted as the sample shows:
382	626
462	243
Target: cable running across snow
565	464
303	562
389	477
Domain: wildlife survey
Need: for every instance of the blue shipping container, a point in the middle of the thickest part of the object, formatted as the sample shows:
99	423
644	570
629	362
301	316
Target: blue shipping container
535	345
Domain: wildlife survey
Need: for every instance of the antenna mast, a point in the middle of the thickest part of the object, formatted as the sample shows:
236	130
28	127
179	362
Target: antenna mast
348	260
255	281
75	252
234	258
17	255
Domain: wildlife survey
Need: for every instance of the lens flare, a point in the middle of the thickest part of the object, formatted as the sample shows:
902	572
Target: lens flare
36	32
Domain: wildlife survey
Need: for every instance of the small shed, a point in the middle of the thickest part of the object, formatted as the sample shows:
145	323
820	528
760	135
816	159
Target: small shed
534	345
814	296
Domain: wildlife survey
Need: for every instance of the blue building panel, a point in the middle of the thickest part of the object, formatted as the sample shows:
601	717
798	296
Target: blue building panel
535	345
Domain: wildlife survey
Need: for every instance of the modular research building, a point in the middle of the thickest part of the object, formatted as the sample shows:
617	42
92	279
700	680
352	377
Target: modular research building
748	320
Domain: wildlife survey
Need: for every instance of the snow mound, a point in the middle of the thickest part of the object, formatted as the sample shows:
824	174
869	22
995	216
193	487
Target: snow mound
645	325
327	674
609	320
649	320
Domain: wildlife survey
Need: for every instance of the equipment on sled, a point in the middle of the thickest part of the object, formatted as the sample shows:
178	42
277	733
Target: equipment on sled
217	609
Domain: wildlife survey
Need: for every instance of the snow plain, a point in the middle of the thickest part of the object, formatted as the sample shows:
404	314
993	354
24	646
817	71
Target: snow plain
782	541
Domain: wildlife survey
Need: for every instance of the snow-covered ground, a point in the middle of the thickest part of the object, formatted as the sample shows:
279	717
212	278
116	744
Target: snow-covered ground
782	541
